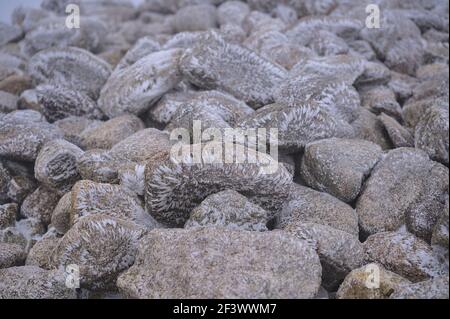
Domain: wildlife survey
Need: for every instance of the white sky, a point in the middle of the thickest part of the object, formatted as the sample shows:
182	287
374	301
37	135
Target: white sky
7	6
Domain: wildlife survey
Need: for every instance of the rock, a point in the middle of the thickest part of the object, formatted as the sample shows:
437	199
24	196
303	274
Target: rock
40	204
307	205
8	102
399	135
20	187
39	255
414	110
109	133
339	252
228	209
101	246
90	198
404	254
22	140
98	166
143	47
57	102
29	282
55	165
327	43
339	166
5	178
9	33
15	84
61	214
25	233
8	215
231	68
436	288
440	231
371	281
432	134
208	263
265	184
73	126
232	12
73	68
11	255
404	187
297	125
136	88
381	99
199	17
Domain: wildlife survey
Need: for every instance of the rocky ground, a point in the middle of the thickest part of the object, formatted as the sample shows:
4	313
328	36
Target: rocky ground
359	204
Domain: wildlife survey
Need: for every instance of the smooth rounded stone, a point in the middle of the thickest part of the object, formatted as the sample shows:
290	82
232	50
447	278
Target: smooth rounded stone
307	205
11	255
22	140
16	84
90	198
98	166
5	178
371	281
298	125
375	74
163	111
440	233
199	17
109	133
213	109
73	68
55	166
399	135
25	232
39	255
339	251
28	18
58	102
9	33
24	116
381	99
327	43
232	12
143	47
8	102
220	263
52	32
436	288
8	215
404	254
61	214
40	204
431	134
231	210
306	28
339	166
101	246
404	187
413	111
215	64
30	282
140	146
20	187
136	88
257	176
73	126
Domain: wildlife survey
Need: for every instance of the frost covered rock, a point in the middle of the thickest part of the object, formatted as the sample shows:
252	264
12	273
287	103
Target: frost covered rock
73	126
264	182
339	251
40	204
220	263
8	215
339	166
359	284
215	64
232	12
399	135
5	178
440	231
8	102
11	255
228	209
74	68
98	166
134	89
431	134
41	252
55	166
199	17
307	205
404	254
381	100
60	219
30	282
101	246
436	288
404	187
9	33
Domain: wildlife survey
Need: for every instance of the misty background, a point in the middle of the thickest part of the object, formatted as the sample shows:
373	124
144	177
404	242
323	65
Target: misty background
7	7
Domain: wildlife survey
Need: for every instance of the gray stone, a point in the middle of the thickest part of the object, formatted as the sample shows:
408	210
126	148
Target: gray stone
436	288
11	255
8	215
